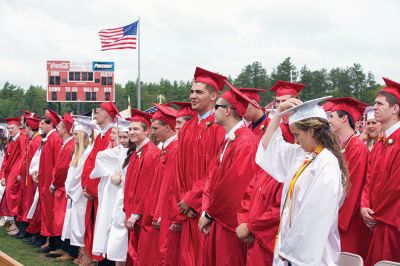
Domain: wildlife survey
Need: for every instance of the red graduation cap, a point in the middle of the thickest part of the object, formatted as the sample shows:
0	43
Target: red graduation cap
68	121
55	119
27	114
32	122
185	109
110	108
282	88
13	121
237	99
252	93
166	114
392	87
213	79
327	106
353	107
139	116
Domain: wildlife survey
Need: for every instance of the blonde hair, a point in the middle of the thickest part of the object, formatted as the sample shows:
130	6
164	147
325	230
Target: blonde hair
324	136
80	146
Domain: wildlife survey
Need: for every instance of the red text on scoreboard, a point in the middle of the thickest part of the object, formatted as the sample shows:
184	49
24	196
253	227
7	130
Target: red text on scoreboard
69	81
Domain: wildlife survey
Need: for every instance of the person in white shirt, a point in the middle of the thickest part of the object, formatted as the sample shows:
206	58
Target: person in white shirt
314	174
74	221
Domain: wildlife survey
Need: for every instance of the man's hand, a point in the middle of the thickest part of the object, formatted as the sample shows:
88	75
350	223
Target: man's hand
249	240
191	213
204	224
183	207
242	231
87	195
175	228
35	177
130	223
3	181
156	224
369	221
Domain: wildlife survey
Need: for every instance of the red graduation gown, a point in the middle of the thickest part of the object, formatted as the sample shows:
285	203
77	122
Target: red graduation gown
381	194
221	199
10	170
139	177
101	143
48	159
27	186
198	143
350	221
59	176
260	208
154	247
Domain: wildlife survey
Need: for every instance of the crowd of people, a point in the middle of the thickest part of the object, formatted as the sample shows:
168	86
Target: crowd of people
218	180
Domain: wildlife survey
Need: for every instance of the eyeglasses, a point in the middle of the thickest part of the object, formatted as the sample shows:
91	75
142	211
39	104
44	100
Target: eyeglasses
219	105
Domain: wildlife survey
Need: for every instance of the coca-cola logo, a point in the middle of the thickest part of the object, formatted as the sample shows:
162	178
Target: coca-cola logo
64	65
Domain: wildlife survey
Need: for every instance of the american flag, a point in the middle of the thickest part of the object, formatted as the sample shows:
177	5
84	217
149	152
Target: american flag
119	38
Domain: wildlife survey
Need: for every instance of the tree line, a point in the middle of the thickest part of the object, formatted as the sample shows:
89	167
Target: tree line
350	81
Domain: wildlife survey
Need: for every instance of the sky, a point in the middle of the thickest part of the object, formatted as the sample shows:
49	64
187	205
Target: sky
178	35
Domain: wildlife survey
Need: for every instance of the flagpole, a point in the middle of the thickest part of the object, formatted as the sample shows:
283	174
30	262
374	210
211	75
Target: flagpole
139	105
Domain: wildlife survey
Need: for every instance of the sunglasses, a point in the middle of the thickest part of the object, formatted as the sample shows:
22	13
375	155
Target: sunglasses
222	106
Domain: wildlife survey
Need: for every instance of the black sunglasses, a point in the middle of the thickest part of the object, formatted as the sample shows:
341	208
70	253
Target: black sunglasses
222	106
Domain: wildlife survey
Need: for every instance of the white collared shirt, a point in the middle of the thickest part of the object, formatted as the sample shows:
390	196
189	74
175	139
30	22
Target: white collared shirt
140	145
65	141
231	135
104	130
16	136
168	141
50	132
392	129
204	116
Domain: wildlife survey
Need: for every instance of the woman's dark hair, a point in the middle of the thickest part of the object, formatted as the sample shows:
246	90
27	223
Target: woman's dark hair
47	120
324	136
349	118
131	150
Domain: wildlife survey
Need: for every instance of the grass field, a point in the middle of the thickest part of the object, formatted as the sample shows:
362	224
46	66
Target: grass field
24	253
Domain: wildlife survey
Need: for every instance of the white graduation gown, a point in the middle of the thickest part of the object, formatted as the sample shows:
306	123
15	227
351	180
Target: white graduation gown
117	245
105	166
313	238
74	221
34	167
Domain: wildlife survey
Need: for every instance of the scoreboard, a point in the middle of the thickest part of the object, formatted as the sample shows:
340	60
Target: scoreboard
69	81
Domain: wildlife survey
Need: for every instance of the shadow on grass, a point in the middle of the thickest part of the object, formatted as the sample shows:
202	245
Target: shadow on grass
25	253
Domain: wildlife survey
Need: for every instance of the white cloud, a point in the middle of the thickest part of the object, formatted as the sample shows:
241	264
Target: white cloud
223	36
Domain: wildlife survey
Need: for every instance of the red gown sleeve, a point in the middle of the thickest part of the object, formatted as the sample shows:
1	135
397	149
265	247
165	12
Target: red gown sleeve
61	169
357	160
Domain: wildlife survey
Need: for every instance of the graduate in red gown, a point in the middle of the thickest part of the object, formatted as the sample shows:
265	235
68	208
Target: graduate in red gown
184	113
258	217
380	204
229	176
105	115
285	90
49	150
343	113
60	171
10	171
159	238
143	157
27	186
198	140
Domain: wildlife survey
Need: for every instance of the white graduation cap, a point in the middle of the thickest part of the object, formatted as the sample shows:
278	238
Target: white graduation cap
123	125
306	110
85	126
370	113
